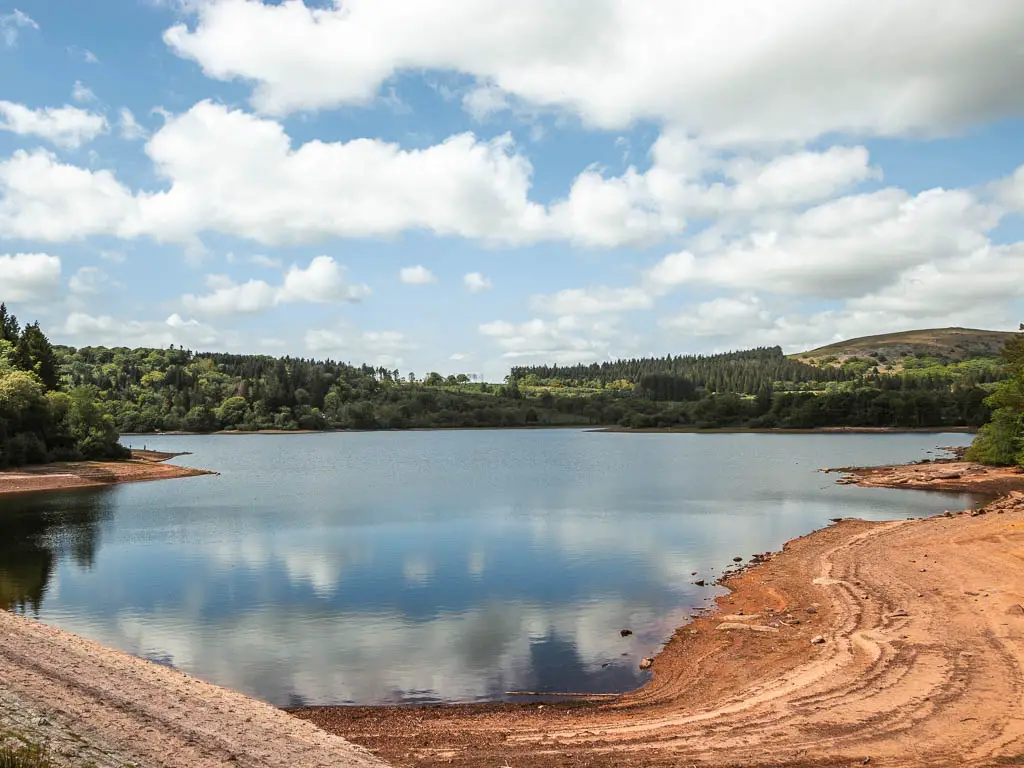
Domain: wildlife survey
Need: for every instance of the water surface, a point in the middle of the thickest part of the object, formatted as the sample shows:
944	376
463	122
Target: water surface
428	566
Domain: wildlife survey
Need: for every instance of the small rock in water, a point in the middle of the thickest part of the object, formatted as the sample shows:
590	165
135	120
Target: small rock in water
625	632
818	640
737	559
700	582
647	663
693	573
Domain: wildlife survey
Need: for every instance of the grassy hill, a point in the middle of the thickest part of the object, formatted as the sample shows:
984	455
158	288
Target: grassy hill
891	350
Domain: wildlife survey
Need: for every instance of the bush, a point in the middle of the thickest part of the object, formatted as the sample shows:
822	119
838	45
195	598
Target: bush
23	757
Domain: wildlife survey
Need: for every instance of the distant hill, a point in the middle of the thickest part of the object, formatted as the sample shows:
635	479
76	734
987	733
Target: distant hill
946	344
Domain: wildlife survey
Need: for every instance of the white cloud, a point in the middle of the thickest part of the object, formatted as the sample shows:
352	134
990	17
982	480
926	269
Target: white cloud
731	71
67	127
88	280
592	301
238	174
722	317
130	128
265	261
11	24
564	340
484	101
321	282
28	276
476	282
842	248
418	275
347	343
83	328
82	93
44	199
90	57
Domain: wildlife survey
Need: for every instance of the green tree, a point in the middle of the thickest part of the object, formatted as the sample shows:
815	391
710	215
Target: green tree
1001	440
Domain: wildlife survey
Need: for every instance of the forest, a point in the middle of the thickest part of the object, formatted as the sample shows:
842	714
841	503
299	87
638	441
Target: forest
41	419
61	402
148	390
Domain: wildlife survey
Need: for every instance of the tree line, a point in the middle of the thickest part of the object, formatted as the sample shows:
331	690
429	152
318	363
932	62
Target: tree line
1001	440
40	419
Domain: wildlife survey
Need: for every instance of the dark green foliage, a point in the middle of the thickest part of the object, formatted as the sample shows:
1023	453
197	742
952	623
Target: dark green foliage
1001	441
38	423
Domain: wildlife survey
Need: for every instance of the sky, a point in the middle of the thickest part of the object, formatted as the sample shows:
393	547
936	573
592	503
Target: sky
469	185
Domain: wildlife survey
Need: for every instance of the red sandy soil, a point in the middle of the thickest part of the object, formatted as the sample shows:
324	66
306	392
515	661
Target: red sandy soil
894	644
144	465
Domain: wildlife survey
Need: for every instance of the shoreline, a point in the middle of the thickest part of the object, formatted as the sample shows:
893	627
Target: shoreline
586	428
144	466
829	652
859	641
810	431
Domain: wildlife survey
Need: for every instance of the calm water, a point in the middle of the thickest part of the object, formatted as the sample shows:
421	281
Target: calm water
427	566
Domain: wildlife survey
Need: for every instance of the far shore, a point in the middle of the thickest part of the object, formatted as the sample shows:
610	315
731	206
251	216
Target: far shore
71	475
611	429
811	431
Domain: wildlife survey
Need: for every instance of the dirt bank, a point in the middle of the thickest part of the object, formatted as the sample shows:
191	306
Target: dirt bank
893	644
91	703
65	475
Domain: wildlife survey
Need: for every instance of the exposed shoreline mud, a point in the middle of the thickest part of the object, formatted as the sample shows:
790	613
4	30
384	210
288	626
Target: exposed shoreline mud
896	643
70	475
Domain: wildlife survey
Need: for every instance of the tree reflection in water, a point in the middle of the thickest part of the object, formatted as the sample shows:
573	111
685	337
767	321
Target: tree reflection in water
36	532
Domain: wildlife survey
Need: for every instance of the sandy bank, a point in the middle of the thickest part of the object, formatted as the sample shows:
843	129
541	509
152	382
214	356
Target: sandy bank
93	703
898	643
144	465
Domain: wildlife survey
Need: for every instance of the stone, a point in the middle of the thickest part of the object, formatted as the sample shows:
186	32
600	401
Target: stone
646	663
1016	610
625	632
700	582
726	626
818	640
737	559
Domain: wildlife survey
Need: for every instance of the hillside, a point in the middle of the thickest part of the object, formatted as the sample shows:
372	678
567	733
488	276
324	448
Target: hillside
944	345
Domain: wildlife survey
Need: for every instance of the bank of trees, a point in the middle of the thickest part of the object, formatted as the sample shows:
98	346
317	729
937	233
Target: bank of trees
1001	440
40	420
148	390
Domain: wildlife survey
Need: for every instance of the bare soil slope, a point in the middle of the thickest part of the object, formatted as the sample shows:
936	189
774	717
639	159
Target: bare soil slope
145	465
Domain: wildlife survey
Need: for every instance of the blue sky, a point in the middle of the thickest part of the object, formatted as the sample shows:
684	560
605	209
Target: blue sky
464	185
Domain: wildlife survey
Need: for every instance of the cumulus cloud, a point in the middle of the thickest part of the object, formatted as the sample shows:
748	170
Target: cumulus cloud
842	248
88	280
323	281
11	25
476	282
563	339
83	328
233	173
67	127
348	343
723	317
731	71
418	275
592	301
28	276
